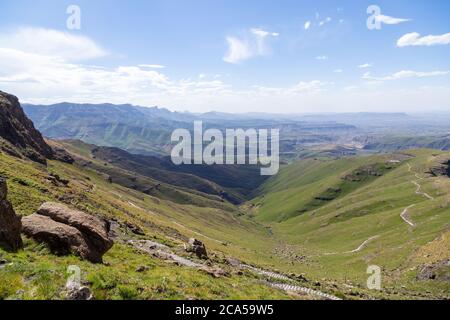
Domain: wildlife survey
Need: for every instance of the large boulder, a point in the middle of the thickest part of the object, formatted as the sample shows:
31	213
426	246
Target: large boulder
10	224
61	238
94	229
69	231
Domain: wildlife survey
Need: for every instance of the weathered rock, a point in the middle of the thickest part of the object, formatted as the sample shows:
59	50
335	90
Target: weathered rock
198	248
439	271
82	293
74	291
441	170
69	231
62	155
135	229
19	132
61	238
93	229
10	223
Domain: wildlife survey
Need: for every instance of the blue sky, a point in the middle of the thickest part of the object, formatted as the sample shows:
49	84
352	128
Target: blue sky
226	55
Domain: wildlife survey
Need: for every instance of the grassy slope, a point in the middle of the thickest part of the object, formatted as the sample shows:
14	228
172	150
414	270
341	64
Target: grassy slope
277	245
371	210
36	274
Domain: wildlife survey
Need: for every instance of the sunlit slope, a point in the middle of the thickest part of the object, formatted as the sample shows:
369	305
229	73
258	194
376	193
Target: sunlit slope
41	275
386	220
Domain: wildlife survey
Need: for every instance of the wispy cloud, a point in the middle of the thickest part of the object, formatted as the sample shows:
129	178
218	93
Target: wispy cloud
252	44
321	58
152	66
405	74
415	39
390	20
49	42
365	66
338	71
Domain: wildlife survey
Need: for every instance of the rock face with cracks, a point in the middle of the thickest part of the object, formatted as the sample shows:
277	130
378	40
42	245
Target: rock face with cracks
10	224
18	134
69	231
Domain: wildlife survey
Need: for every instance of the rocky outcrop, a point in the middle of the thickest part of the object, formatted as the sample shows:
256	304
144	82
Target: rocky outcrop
69	231
439	271
18	134
10	224
94	229
62	239
197	247
442	169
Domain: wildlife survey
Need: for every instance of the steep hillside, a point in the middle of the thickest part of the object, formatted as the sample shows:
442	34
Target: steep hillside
128	273
17	133
222	183
347	214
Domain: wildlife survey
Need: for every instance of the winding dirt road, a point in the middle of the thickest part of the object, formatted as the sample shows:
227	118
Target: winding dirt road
404	215
362	246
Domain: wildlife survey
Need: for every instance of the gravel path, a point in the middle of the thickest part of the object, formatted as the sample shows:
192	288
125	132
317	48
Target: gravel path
288	287
405	217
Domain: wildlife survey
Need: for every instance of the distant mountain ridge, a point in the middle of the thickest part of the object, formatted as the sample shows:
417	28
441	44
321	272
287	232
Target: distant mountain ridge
147	131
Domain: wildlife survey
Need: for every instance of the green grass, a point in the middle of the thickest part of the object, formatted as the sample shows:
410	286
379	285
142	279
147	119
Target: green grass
266	232
367	208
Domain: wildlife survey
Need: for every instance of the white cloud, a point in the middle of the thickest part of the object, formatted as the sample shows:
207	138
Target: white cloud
252	44
321	58
338	71
47	76
49	42
414	39
47	79
365	66
152	66
263	33
390	20
405	74
238	50
307	25
301	88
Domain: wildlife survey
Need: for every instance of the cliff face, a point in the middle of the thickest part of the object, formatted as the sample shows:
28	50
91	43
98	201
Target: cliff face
18	135
10	223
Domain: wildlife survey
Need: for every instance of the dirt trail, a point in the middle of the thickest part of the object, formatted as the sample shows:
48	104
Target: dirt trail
420	193
288	287
404	215
362	246
162	251
419	187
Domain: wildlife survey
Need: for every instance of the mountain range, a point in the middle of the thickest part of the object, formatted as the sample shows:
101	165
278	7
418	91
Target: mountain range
309	232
